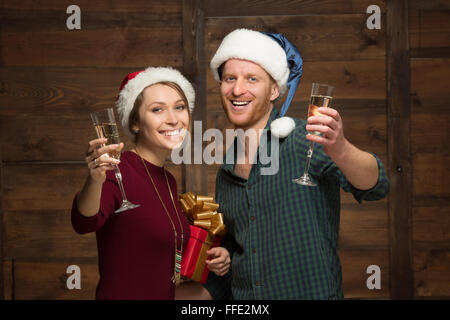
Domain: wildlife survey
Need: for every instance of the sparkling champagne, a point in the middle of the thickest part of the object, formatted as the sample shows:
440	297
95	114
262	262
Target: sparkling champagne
315	103
105	127
110	132
321	95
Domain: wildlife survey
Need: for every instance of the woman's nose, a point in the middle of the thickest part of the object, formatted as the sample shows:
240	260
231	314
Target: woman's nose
171	117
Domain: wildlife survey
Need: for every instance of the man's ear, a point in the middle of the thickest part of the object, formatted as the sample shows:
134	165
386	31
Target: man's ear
275	92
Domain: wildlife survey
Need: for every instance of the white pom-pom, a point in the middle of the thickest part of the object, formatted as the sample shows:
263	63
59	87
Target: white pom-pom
281	127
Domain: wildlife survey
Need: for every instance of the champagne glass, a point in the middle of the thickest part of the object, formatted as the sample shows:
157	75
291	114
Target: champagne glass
106	127
321	96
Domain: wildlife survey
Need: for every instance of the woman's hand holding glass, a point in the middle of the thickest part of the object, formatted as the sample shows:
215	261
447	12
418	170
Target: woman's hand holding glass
98	159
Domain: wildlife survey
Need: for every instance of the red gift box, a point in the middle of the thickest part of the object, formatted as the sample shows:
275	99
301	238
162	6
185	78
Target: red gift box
193	265
207	229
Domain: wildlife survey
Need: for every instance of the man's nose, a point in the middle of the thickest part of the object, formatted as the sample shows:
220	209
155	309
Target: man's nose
239	87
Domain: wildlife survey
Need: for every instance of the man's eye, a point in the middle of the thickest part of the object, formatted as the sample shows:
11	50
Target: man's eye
252	79
229	78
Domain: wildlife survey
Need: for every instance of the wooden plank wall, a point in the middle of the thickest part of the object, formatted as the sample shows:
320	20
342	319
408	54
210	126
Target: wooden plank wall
429	40
51	78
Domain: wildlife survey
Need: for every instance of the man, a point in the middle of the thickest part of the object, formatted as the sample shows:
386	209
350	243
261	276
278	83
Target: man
282	236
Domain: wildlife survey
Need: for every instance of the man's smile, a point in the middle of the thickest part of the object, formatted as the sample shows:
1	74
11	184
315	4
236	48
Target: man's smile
239	105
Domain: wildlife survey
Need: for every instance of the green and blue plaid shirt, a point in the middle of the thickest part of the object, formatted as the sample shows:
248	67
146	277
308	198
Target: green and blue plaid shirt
282	236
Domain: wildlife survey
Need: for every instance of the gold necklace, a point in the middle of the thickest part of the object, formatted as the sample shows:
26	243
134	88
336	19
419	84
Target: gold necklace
178	253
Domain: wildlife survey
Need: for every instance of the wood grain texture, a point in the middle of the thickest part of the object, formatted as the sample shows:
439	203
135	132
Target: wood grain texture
431	175
431	273
430	135
195	176
215	8
46	280
364	226
3	273
354	273
429	80
120	34
429	29
56	91
7	278
429	131
430	113
48	187
399	150
113	6
123	47
41	187
47	20
342	38
45	234
431	228
429	5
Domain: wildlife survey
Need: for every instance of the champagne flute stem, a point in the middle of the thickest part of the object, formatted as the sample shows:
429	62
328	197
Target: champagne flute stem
119	179
308	157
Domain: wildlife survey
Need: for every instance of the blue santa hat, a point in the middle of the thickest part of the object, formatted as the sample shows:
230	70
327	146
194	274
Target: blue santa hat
275	54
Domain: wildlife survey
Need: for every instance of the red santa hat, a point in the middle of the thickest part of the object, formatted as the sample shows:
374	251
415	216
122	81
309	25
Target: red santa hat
135	82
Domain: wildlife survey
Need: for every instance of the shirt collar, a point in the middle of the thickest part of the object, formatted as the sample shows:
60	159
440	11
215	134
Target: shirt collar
230	166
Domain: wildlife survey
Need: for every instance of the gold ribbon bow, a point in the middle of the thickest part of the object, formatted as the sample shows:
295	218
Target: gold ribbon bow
201	211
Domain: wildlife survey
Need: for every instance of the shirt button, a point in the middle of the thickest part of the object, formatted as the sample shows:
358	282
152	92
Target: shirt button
254	250
252	218
257	283
249	187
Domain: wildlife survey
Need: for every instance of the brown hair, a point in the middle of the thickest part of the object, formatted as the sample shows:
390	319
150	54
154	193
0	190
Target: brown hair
134	114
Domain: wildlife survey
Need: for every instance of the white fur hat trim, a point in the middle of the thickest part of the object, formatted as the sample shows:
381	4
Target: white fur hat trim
149	76
257	47
281	127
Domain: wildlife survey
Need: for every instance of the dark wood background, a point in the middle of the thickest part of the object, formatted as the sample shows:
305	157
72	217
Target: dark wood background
392	90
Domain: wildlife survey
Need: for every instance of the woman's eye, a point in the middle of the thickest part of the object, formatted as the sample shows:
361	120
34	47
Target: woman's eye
180	107
156	109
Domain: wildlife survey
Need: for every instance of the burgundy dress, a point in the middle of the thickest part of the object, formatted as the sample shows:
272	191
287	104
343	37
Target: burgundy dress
135	247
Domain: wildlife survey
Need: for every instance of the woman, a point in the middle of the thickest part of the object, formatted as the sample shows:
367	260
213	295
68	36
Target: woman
137	249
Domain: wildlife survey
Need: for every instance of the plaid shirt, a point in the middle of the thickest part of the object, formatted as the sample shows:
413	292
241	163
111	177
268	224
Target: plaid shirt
282	236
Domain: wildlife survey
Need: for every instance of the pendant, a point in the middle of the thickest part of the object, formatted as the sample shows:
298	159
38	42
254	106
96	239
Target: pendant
177	268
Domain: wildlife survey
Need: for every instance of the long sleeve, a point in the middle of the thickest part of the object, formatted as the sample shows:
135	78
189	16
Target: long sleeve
326	171
109	202
377	192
